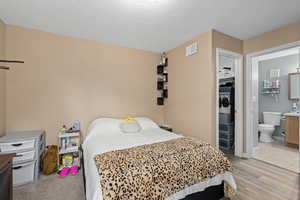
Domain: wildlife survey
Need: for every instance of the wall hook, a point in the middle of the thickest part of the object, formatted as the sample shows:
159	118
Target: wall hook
4	67
11	61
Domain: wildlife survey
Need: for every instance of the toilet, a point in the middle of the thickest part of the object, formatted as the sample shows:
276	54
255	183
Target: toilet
271	119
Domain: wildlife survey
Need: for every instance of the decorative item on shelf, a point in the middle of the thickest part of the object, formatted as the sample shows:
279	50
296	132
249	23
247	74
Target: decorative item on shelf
160	85
75	127
69	149
67	160
160	69
63	130
271	87
165	93
160	101
162	80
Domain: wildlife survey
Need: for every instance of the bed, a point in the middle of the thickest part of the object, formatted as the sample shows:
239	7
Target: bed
104	136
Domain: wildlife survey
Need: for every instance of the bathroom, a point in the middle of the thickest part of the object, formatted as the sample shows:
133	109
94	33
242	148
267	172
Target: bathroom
277	138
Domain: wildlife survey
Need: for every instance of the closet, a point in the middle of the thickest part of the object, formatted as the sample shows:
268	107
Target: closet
226	104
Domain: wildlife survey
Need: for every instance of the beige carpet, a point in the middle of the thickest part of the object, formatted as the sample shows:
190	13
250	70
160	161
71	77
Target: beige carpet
52	188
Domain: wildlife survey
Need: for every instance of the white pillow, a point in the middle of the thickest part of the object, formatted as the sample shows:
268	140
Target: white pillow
104	126
146	123
130	127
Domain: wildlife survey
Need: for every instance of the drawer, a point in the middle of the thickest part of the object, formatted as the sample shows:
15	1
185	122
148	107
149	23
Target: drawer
24	156
23	173
17	146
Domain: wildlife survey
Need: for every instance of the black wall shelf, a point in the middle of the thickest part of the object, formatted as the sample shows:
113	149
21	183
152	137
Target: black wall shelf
162	81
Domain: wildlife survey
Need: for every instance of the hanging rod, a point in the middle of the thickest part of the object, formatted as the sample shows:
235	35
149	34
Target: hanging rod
11	61
4	67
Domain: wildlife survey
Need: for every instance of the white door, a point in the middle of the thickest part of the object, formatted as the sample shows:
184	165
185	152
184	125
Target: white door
238	132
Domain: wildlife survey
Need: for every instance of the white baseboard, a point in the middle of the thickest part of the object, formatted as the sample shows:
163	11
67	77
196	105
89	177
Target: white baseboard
255	149
246	155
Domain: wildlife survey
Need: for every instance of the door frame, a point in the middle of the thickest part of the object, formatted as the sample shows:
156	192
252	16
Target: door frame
239	112
251	101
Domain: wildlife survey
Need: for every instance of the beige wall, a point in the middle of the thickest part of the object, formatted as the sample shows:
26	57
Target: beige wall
191	106
188	108
2	78
66	79
284	35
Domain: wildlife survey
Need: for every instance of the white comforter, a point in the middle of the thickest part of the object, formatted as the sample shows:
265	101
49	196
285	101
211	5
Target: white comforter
104	135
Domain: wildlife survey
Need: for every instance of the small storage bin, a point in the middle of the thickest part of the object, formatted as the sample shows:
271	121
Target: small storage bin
226	127
225	118
17	146
226	144
24	156
23	173
226	135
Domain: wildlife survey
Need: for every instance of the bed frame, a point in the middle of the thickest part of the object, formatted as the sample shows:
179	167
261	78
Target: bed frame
210	193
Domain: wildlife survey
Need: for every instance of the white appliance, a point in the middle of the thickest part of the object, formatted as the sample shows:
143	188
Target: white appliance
271	119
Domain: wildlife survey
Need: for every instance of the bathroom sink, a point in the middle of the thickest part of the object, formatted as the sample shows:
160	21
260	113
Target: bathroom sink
293	114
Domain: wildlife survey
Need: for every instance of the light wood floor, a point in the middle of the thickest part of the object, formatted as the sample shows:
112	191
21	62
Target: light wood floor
257	180
278	154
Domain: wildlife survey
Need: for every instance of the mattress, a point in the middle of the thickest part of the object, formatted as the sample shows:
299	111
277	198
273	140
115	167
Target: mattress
104	135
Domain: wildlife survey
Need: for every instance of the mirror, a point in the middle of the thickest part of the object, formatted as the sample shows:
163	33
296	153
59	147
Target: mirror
294	86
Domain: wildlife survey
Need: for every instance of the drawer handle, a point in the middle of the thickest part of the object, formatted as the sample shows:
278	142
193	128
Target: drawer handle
16	145
19	155
19	167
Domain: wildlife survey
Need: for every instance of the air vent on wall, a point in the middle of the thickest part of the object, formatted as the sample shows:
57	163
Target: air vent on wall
192	49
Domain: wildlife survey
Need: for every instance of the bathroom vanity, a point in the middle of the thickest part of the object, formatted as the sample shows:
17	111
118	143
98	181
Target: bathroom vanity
292	119
292	129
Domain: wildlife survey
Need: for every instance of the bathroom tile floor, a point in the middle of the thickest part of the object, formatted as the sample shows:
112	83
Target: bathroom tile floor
279	154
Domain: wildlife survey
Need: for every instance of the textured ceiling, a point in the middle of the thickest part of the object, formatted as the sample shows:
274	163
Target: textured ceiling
154	25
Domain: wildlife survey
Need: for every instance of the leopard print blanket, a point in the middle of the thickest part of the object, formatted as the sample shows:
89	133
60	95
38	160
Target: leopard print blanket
156	171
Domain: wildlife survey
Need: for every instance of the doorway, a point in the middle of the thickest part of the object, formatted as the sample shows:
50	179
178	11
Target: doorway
229	102
272	113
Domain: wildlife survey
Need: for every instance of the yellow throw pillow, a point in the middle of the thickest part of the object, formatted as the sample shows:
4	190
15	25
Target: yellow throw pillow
130	125
129	120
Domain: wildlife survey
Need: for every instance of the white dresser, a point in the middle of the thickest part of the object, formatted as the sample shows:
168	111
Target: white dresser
29	147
